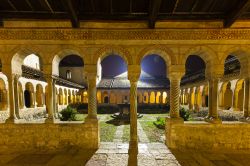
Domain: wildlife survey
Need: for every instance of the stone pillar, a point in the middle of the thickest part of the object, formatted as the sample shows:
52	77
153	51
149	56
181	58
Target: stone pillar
133	76
175	78
51	99
213	100
246	99
13	98
91	73
55	99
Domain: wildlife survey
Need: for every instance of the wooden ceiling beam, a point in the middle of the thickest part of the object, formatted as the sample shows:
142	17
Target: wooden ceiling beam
153	12
236	13
68	4
46	4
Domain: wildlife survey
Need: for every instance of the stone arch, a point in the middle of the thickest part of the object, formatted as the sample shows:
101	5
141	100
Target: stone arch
152	97
105	97
3	95
160	50
58	56
208	55
145	97
39	95
112	50
164	97
239	95
242	55
158	97
29	95
20	54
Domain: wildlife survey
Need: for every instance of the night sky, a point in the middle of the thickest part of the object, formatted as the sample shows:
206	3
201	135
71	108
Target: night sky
114	65
154	65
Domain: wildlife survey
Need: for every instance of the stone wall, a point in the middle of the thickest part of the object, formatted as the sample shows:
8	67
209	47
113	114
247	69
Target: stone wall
49	136
205	136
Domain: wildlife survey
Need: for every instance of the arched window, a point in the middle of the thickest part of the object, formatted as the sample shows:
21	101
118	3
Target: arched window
68	74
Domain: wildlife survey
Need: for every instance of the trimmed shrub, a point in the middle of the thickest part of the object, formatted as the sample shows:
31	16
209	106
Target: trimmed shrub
68	114
184	114
160	123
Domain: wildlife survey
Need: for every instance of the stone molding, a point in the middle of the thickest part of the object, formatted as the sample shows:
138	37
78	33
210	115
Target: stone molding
83	34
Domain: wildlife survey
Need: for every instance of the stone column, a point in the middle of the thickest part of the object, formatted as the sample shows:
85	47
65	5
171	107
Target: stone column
175	78
246	106
133	76
13	98
213	100
91	73
51	99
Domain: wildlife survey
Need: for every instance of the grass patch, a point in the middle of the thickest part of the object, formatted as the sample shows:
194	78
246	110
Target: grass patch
126	133
107	132
80	117
153	133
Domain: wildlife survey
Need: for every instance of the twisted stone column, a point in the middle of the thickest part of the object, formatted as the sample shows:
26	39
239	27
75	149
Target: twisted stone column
213	100
175	79
133	115
92	103
51	100
133	76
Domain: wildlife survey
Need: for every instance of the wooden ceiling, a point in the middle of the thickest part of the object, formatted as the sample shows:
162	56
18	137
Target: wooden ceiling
126	10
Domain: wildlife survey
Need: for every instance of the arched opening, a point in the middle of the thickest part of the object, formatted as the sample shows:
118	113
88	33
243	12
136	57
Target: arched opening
232	65
29	95
226	96
32	61
164	97
152	98
39	95
69	97
105	97
239	95
153	79
195	71
205	96
65	96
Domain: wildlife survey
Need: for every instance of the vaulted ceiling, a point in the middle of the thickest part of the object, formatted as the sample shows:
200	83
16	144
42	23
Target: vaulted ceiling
126	10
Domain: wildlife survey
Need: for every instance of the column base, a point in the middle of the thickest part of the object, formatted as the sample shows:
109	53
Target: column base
214	120
91	120
49	120
10	120
133	152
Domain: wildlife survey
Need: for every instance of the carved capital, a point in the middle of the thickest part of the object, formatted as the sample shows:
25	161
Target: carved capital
175	75
134	72
90	71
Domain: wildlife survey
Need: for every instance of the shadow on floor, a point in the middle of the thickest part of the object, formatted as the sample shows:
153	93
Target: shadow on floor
72	156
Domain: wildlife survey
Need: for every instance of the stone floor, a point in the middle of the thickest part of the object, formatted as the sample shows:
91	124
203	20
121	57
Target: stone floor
116	154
